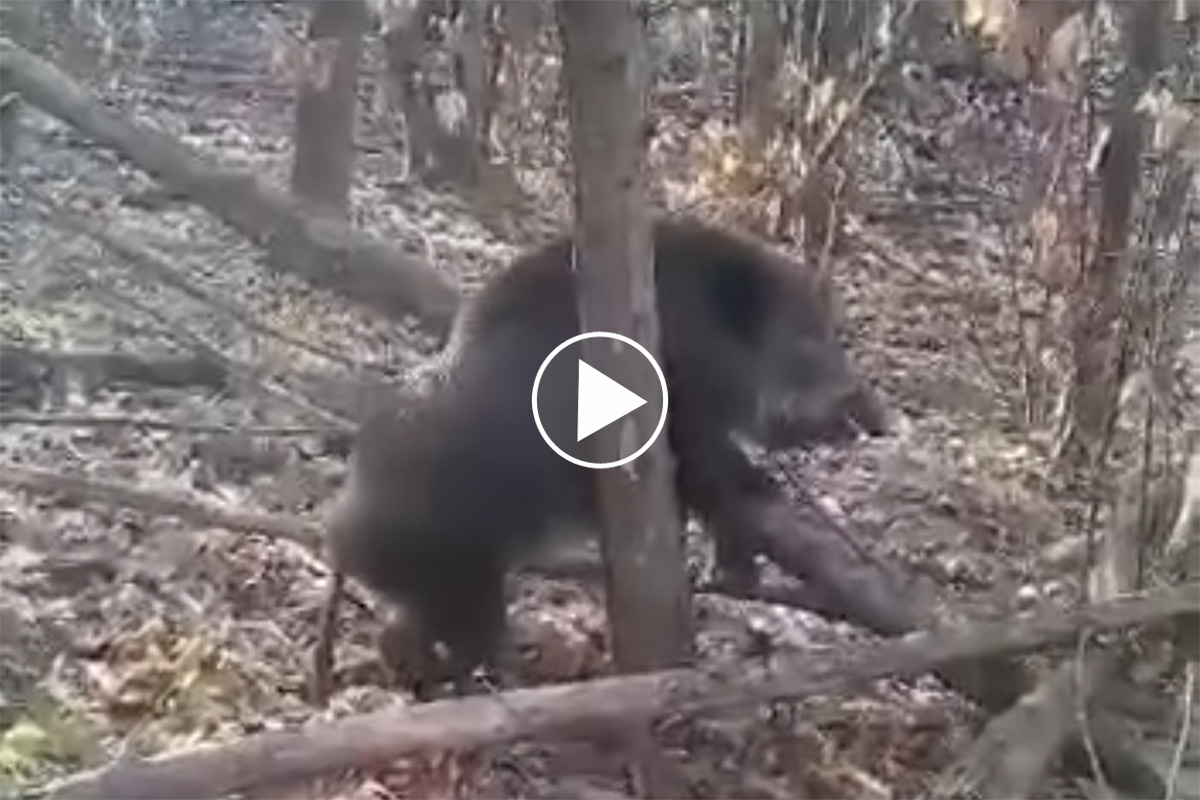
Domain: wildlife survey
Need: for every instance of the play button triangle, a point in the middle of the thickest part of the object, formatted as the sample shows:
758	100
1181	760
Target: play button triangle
602	401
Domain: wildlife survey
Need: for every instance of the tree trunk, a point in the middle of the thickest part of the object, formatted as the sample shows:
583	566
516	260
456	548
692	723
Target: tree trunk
323	165
1097	304
764	57
437	153
740	35
403	45
841	34
648	596
473	72
20	21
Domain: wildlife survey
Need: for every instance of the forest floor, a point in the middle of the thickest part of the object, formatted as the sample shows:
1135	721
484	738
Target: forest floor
125	632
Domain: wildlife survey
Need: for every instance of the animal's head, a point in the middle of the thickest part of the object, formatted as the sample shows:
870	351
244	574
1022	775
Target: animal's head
808	392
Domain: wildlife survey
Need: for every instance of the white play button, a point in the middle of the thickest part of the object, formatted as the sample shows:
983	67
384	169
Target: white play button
602	401
572	400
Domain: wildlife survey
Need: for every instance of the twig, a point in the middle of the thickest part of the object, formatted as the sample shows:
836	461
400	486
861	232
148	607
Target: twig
1185	731
827	145
115	421
1081	664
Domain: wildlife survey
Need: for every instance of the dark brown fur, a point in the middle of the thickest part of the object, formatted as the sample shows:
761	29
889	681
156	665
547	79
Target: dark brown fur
444	498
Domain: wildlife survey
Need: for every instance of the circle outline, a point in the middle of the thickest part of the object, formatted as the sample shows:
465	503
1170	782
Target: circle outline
662	382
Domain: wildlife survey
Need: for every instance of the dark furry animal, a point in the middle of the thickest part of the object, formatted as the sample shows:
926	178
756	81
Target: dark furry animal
442	499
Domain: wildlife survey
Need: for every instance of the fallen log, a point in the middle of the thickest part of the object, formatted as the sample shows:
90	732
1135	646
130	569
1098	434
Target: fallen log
30	376
581	710
844	581
82	489
322	250
994	682
1017	747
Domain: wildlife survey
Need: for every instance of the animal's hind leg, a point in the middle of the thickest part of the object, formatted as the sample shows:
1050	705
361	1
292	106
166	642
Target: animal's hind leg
466	615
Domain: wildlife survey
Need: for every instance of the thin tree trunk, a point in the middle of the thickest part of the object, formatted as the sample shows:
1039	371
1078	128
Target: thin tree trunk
764	57
323	166
648	597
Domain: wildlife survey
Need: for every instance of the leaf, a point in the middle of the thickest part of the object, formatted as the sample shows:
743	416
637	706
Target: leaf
48	737
1176	125
988	19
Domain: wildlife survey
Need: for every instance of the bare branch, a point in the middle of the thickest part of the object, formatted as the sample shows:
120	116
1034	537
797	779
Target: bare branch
166	503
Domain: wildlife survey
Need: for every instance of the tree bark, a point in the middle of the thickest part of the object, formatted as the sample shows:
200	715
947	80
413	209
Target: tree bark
323	251
648	595
323	165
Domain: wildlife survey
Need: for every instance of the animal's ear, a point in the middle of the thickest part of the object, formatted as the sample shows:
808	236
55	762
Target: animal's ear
740	298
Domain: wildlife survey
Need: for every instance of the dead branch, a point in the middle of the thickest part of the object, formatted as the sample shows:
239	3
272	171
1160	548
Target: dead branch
321	680
188	507
1016	748
150	424
31	368
349	396
321	250
161	502
844	581
991	682
579	710
841	580
28	371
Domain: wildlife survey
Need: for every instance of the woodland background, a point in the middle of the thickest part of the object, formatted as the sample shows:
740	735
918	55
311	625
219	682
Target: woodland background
232	229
